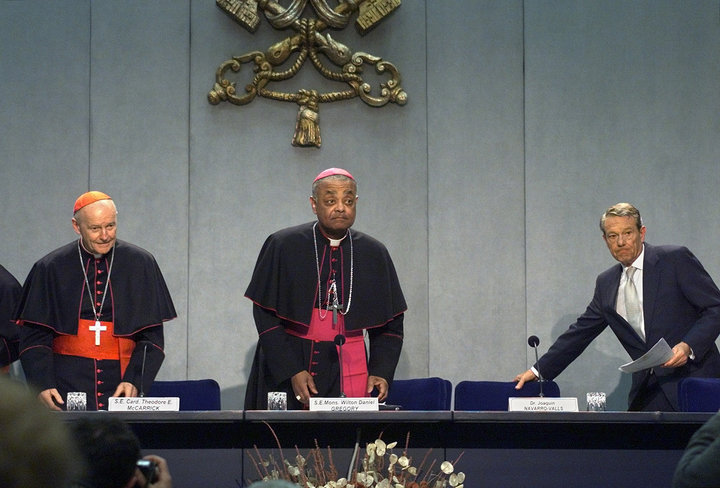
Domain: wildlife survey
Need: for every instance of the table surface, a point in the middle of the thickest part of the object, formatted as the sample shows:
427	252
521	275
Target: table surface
444	429
230	416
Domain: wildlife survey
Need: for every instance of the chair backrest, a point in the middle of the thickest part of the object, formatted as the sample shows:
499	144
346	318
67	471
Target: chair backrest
193	394
494	395
421	394
699	394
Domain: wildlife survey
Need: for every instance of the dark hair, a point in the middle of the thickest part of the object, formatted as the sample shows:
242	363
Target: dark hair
110	451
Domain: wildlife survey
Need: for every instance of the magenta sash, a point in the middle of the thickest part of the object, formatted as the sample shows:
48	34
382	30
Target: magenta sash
354	363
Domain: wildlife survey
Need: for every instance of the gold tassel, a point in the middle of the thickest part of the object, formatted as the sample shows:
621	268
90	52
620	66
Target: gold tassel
307	128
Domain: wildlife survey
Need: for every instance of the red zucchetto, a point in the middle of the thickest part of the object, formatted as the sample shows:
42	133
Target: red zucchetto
90	197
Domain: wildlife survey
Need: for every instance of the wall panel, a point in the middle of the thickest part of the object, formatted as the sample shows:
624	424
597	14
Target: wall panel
139	142
247	181
44	127
619	108
476	190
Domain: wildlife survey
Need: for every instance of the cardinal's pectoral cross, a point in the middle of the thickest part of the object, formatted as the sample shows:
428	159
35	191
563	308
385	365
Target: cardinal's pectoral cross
97	328
335	305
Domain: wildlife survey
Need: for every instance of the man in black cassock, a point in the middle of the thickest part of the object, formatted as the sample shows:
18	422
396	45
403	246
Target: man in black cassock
92	313
317	289
9	336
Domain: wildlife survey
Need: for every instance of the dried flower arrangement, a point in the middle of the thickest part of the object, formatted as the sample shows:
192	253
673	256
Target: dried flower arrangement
378	468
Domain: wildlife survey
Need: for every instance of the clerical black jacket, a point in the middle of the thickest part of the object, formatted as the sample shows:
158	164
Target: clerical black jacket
9	334
54	298
284	290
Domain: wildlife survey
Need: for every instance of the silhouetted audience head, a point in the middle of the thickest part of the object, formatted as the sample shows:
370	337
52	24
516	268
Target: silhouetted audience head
36	448
110	451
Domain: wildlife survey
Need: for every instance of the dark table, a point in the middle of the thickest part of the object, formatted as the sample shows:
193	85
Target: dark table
506	449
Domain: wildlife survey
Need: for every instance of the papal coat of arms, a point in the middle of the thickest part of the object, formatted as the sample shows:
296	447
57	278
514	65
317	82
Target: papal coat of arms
309	41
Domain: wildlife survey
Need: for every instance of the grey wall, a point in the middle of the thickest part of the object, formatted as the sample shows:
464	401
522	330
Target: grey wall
525	120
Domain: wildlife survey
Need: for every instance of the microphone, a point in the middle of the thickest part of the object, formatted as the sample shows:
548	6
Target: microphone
142	372
339	341
534	342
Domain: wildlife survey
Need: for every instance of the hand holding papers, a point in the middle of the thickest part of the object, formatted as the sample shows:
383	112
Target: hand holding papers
659	354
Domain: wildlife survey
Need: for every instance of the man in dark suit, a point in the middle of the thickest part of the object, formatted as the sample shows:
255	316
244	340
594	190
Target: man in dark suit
655	292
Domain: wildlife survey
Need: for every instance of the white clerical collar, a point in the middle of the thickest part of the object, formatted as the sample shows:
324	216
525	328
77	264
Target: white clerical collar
95	255
335	242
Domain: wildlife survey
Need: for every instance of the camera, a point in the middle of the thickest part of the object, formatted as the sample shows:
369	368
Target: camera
148	469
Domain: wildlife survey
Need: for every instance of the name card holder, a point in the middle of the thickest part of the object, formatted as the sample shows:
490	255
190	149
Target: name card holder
369	404
144	404
542	404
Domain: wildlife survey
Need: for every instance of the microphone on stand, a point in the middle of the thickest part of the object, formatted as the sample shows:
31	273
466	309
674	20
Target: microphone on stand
142	373
533	342
339	341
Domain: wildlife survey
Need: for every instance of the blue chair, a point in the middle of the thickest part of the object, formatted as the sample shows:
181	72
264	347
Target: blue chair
494	395
421	394
193	394
699	394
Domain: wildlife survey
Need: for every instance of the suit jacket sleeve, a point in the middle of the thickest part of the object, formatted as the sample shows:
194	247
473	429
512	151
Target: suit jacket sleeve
699	464
702	293
36	355
573	341
273	339
10	291
146	359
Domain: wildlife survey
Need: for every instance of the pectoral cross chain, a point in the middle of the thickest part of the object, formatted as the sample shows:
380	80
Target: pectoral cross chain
335	304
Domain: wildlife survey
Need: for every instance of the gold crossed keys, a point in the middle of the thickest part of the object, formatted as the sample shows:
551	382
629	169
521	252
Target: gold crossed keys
309	42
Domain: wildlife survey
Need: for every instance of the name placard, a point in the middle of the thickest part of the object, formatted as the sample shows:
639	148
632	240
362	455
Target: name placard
144	404
542	404
369	404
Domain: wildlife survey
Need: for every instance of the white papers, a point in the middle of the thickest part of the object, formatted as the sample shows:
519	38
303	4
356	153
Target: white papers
659	354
